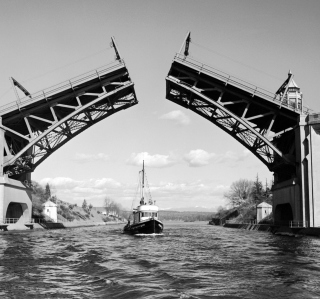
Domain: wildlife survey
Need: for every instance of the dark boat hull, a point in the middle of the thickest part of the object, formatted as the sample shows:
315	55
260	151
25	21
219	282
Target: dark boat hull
151	226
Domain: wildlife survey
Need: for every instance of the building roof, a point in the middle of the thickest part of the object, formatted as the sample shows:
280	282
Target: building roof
292	84
264	205
49	203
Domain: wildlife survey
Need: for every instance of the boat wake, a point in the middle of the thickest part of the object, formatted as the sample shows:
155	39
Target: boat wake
148	235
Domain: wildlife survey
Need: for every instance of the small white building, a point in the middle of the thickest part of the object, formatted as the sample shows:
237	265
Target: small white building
263	210
50	209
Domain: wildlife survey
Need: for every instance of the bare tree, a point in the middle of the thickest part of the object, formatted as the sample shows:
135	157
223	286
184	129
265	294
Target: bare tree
240	192
112	207
108	203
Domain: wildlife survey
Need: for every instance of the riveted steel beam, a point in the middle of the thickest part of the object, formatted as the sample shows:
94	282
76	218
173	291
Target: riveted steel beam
67	126
49	119
234	124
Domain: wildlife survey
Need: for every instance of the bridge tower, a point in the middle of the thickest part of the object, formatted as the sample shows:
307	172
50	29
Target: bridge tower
296	186
275	127
35	126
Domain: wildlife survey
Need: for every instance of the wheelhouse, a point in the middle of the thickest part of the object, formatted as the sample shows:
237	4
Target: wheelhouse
145	212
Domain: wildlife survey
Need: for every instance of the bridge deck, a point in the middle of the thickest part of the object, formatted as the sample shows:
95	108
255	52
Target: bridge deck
237	85
38	125
58	90
253	116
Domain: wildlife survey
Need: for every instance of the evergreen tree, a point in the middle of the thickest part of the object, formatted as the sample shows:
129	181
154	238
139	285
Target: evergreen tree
84	205
257	190
47	192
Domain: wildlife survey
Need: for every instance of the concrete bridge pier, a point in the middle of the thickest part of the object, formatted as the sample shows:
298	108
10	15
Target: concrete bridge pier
298	199
15	197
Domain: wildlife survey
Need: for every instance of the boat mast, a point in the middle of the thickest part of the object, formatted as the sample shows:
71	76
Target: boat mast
142	186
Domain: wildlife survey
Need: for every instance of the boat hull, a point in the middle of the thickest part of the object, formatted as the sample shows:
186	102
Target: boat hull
151	226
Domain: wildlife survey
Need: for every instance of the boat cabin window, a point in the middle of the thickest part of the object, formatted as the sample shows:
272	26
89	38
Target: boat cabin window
149	214
136	217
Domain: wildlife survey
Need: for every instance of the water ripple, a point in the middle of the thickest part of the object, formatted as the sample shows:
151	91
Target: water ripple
190	260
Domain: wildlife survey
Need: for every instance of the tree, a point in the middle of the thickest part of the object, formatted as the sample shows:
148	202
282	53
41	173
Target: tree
47	192
84	205
240	192
112	207
257	190
108	203
90	207
54	199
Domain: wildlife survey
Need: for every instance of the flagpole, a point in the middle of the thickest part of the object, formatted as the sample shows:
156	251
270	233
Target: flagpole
15	91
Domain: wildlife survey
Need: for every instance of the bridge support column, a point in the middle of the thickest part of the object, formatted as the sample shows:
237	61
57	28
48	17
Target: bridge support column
298	199
15	197
312	170
15	200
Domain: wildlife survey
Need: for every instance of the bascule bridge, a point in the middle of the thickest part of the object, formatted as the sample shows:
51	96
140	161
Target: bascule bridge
35	126
274	126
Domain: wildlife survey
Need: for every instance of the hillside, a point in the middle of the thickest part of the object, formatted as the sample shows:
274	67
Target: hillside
67	211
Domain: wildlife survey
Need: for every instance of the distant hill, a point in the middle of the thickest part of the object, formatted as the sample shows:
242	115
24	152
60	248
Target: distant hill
191	209
185	215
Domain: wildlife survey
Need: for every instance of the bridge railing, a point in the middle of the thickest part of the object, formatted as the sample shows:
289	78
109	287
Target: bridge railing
21	220
45	93
298	224
14	220
228	79
243	221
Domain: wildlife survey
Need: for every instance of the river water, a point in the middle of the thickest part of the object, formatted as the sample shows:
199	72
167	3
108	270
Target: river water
190	260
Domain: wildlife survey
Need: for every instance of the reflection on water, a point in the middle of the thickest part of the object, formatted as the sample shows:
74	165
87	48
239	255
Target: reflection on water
190	260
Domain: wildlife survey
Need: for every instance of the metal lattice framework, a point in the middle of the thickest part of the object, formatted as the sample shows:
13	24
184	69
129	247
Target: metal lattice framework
43	122
255	117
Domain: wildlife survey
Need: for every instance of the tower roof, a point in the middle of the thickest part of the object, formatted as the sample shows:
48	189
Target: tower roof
264	205
292	84
49	203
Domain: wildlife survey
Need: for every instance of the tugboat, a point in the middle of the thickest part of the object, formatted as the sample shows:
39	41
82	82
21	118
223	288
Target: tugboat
146	215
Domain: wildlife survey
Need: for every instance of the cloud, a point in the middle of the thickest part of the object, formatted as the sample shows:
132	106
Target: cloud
157	161
84	158
177	116
231	156
105	183
167	194
198	158
71	190
187	194
60	182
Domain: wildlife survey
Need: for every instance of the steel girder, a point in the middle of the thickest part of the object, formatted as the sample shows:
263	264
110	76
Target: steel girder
49	119
248	114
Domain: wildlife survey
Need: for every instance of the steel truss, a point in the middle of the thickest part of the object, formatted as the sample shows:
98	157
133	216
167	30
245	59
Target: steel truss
248	114
51	118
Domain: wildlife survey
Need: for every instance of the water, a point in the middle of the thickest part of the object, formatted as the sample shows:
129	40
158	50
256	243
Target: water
190	260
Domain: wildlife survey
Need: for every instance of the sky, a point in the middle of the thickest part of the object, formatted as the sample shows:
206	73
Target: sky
189	161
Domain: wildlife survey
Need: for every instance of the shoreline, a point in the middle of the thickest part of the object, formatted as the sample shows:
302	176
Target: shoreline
55	225
278	230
